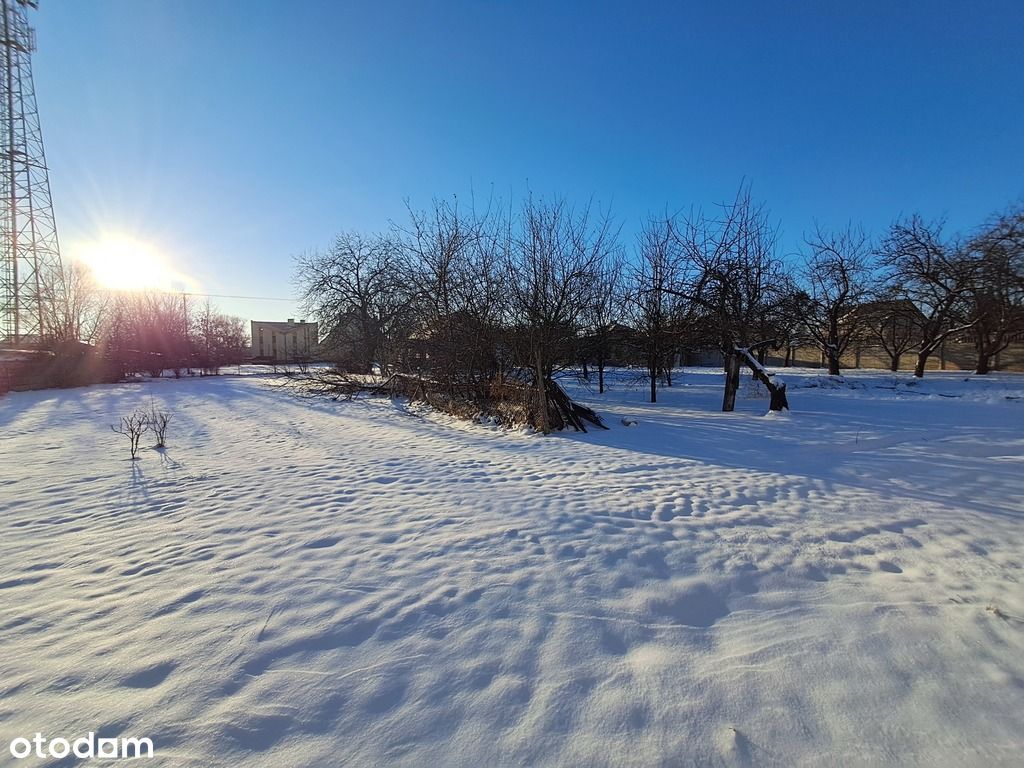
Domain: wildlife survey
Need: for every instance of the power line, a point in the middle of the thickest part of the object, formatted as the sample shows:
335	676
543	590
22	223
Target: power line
201	295
228	296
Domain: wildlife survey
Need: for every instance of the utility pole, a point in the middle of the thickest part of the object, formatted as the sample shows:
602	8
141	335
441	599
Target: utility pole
184	328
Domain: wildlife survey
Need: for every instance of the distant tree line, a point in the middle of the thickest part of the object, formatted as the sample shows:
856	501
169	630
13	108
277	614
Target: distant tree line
465	297
144	332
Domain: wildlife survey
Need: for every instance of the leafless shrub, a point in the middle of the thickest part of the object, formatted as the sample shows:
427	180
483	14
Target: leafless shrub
158	421
133	427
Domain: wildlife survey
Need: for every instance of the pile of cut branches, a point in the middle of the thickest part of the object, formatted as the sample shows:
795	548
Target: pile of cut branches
512	399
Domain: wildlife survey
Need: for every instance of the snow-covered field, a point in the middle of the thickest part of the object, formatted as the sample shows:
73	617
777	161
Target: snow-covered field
298	583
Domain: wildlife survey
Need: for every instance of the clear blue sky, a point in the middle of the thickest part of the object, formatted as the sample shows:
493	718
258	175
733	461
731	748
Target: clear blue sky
237	134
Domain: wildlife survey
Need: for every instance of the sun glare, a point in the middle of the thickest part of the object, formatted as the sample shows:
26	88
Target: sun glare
123	263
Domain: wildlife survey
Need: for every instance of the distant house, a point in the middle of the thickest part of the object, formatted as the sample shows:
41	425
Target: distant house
896	315
289	341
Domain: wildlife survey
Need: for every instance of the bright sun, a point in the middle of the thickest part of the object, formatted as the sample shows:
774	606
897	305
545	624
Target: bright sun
123	263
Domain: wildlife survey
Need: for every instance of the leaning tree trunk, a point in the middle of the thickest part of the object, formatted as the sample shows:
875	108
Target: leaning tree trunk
778	401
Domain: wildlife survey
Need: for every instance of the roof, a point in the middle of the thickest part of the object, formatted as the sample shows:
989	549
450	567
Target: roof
280	325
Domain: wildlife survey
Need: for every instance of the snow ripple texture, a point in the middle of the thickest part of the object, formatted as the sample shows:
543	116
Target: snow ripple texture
297	583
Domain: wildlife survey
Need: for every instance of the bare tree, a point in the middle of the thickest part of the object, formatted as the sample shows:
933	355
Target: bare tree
890	322
145	333
74	304
933	273
837	272
996	296
552	264
217	339
356	292
152	332
736	278
654	297
602	316
461	308
133	426
785	321
451	260
160	330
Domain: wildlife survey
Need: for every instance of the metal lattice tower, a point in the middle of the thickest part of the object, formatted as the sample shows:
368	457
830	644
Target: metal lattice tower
29	251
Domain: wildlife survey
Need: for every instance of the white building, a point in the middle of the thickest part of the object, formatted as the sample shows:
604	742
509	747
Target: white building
289	341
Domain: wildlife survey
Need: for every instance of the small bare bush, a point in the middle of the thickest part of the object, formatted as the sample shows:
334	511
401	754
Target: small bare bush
158	421
133	427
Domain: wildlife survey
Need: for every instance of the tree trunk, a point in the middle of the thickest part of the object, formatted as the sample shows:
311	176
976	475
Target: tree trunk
894	362
778	401
586	373
922	360
983	365
789	357
600	374
652	371
833	365
732	375
542	396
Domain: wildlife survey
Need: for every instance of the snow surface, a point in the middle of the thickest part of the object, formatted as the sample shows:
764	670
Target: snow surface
316	583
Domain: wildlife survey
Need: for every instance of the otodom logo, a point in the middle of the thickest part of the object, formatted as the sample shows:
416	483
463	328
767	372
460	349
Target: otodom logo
87	746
